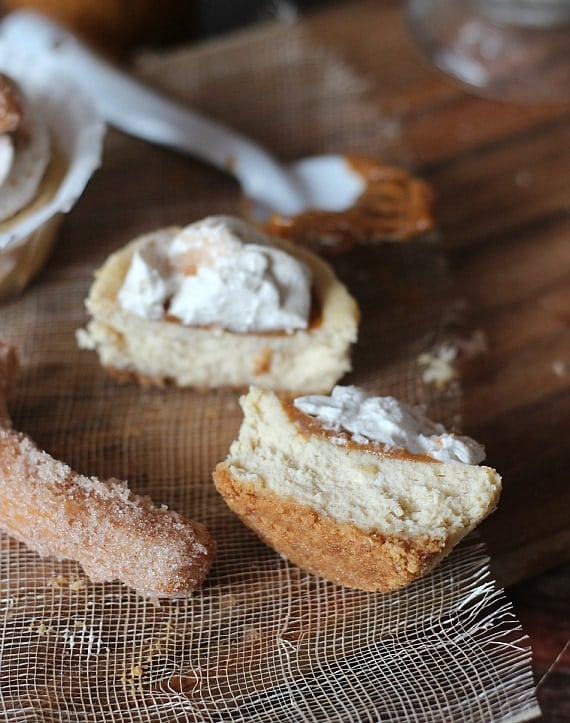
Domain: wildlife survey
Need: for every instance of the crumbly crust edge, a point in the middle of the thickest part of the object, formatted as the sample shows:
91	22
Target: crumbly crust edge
337	551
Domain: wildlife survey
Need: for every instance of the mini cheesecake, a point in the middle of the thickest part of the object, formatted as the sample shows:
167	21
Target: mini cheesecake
164	350
358	513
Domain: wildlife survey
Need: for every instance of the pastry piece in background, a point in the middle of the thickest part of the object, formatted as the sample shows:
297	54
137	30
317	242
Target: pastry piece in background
49	147
394	206
113	533
364	491
220	304
25	151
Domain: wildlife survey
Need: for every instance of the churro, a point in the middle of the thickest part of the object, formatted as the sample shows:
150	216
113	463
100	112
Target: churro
113	533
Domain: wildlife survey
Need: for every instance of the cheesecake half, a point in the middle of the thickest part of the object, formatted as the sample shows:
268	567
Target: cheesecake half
357	512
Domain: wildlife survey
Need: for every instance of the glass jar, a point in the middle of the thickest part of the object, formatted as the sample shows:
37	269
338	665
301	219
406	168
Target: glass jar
510	49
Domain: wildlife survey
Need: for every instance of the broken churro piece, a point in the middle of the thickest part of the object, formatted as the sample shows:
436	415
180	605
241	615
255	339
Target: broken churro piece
113	533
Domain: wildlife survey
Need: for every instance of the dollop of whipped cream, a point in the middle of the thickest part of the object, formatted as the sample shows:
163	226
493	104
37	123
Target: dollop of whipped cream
25	149
6	157
220	272
10	117
368	418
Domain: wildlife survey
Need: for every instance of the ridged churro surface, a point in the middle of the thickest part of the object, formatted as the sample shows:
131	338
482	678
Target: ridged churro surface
113	533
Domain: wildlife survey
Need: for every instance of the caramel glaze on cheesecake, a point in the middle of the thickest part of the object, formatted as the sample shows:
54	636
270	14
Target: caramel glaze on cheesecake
308	426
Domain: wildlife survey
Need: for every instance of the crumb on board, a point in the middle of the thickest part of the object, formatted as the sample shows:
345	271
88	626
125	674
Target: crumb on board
74	582
57	581
43	629
438	366
132	679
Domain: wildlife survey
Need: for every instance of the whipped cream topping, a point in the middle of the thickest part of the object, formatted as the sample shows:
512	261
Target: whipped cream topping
6	157
25	153
221	272
10	117
368	418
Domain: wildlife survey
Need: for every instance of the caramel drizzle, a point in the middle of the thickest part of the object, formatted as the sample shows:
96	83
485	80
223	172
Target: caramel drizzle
310	426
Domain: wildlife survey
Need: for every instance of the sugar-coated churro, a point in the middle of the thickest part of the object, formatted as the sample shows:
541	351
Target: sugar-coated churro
113	533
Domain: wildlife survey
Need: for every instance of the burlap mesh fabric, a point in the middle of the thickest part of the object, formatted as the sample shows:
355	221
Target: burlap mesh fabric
263	640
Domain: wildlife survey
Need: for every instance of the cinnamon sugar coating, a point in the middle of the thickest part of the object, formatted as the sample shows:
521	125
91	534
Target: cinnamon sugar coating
113	533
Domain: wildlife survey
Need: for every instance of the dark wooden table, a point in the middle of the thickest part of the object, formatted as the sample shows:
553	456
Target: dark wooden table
501	173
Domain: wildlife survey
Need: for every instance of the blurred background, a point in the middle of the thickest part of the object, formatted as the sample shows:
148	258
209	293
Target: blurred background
121	26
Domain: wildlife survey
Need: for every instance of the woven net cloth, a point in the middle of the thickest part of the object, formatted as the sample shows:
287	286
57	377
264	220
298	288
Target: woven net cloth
262	640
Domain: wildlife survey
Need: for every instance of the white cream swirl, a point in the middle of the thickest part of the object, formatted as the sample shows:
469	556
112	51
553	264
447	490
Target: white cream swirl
6	157
369	418
24	157
220	272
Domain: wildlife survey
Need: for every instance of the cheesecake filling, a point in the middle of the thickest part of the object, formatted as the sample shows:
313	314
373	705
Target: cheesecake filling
220	272
24	149
387	421
393	496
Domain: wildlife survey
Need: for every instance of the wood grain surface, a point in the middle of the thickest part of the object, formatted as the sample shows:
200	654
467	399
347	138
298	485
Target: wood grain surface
501	174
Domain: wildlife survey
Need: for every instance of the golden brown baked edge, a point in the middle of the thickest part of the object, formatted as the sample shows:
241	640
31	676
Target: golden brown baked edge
339	552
